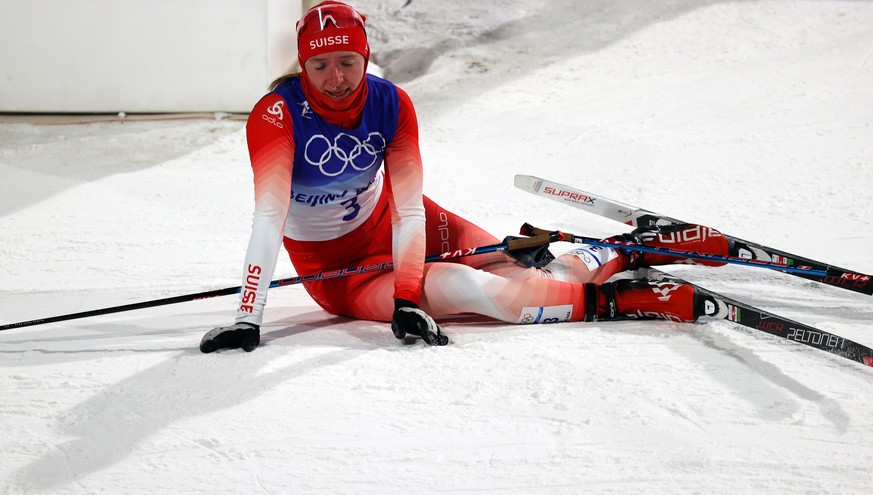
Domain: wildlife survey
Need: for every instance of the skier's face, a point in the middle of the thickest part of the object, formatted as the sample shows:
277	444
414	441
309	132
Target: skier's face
336	74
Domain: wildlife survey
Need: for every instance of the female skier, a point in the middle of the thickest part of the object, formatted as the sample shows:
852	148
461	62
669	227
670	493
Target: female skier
317	143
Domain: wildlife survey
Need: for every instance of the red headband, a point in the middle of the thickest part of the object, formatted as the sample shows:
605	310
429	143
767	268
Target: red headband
329	27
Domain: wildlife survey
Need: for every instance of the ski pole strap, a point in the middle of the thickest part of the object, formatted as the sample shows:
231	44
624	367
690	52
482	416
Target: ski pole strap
678	253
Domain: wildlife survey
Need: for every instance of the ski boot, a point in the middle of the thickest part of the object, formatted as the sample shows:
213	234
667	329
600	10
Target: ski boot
647	299
685	237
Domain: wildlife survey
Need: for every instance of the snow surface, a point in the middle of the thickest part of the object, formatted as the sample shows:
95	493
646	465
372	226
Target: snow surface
752	117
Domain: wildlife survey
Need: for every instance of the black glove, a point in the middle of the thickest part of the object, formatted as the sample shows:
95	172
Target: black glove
408	319
536	256
245	335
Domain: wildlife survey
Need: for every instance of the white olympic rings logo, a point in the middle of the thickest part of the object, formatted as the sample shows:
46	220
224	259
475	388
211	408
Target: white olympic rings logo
346	148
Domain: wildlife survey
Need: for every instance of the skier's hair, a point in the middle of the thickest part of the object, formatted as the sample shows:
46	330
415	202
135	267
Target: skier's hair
294	72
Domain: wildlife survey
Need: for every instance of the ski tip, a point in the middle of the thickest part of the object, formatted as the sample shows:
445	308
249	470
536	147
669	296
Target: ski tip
868	360
527	182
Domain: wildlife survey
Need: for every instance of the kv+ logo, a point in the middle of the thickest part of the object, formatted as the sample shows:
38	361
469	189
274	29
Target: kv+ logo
332	158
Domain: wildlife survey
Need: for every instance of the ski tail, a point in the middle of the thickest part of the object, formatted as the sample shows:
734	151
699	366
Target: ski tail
758	319
598	205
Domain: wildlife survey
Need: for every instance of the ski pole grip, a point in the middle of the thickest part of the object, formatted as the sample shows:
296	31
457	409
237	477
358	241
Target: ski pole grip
554	235
530	230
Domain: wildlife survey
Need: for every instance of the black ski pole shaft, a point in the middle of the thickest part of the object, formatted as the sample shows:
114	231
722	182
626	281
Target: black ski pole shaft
537	240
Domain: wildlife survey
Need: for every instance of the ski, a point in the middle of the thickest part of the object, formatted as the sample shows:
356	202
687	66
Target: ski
749	316
528	229
765	321
639	217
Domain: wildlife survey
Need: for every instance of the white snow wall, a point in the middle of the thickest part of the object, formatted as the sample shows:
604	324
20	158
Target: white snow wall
97	56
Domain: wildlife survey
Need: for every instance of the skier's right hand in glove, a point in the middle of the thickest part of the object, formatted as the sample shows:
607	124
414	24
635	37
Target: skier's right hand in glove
245	335
409	319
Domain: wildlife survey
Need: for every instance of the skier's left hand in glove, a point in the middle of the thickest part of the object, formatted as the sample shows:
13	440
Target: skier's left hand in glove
245	335
409	319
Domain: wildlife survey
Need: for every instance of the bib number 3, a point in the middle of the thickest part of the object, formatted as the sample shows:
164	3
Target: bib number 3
352	207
